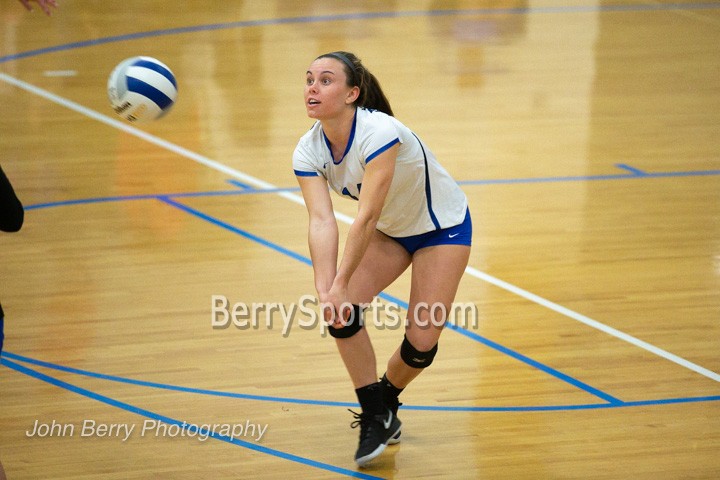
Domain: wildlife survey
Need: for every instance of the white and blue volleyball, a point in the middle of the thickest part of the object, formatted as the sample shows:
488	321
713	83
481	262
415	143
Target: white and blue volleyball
142	89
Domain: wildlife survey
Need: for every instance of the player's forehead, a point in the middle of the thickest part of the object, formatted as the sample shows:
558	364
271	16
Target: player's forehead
326	64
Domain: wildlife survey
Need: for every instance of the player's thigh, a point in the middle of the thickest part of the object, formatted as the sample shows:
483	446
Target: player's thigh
384	261
436	274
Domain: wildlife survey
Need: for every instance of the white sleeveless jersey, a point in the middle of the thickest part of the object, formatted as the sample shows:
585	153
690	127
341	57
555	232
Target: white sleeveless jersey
422	197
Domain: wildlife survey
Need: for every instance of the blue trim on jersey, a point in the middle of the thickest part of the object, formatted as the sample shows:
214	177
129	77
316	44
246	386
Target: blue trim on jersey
327	143
428	193
300	173
381	150
349	144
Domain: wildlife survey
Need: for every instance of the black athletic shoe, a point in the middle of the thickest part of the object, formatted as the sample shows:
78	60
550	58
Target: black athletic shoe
375	432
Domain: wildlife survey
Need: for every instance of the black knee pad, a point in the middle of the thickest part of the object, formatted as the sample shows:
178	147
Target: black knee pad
415	358
354	324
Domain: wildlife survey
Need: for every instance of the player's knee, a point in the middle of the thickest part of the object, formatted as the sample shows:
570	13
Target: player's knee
416	358
353	325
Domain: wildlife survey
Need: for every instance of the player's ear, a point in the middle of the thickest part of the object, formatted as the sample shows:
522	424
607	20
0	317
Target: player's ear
352	95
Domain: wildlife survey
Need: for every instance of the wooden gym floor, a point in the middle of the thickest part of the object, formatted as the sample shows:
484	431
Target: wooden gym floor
586	135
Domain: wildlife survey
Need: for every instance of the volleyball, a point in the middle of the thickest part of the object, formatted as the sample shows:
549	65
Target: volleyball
141	89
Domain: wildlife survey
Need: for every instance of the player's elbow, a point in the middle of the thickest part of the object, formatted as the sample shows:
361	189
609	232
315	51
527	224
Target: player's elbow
368	218
323	223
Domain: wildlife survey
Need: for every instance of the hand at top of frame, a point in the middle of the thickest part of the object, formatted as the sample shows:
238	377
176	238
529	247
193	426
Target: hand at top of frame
44	5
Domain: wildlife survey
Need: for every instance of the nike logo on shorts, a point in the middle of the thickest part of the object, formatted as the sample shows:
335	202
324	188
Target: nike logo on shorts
453	235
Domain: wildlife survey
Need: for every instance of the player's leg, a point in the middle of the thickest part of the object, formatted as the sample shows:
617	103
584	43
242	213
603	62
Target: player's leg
436	274
383	262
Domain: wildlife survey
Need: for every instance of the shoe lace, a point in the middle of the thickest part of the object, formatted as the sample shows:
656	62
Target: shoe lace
368	427
362	420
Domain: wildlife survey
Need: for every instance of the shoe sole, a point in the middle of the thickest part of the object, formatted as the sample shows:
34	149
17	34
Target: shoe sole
395	439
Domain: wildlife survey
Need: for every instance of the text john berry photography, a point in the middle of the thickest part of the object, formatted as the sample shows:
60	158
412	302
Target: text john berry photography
149	428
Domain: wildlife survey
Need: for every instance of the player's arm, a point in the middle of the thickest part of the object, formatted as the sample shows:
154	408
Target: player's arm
375	186
322	231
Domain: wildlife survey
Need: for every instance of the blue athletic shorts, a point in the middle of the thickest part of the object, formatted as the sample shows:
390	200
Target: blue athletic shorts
460	234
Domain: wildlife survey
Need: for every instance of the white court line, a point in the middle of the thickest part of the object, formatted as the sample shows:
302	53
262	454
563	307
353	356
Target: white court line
592	323
347	219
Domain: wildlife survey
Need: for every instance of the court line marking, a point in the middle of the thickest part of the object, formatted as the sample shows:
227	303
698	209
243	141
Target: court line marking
331	403
635	174
182	424
245	189
249	179
595	324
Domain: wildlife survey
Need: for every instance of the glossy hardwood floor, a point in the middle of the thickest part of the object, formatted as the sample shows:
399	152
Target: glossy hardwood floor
585	134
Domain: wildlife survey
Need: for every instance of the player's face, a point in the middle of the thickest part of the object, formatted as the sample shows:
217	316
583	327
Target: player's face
326	91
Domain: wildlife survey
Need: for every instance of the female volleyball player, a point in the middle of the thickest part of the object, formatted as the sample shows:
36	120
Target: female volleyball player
410	212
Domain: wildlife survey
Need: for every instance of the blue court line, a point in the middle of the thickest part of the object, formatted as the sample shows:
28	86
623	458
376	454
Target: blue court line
518	356
564	408
125	198
327	403
635	174
162	386
241	232
171	421
244	186
534	363
563	9
634	171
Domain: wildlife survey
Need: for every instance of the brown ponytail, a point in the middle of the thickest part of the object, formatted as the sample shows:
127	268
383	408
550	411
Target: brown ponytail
371	94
